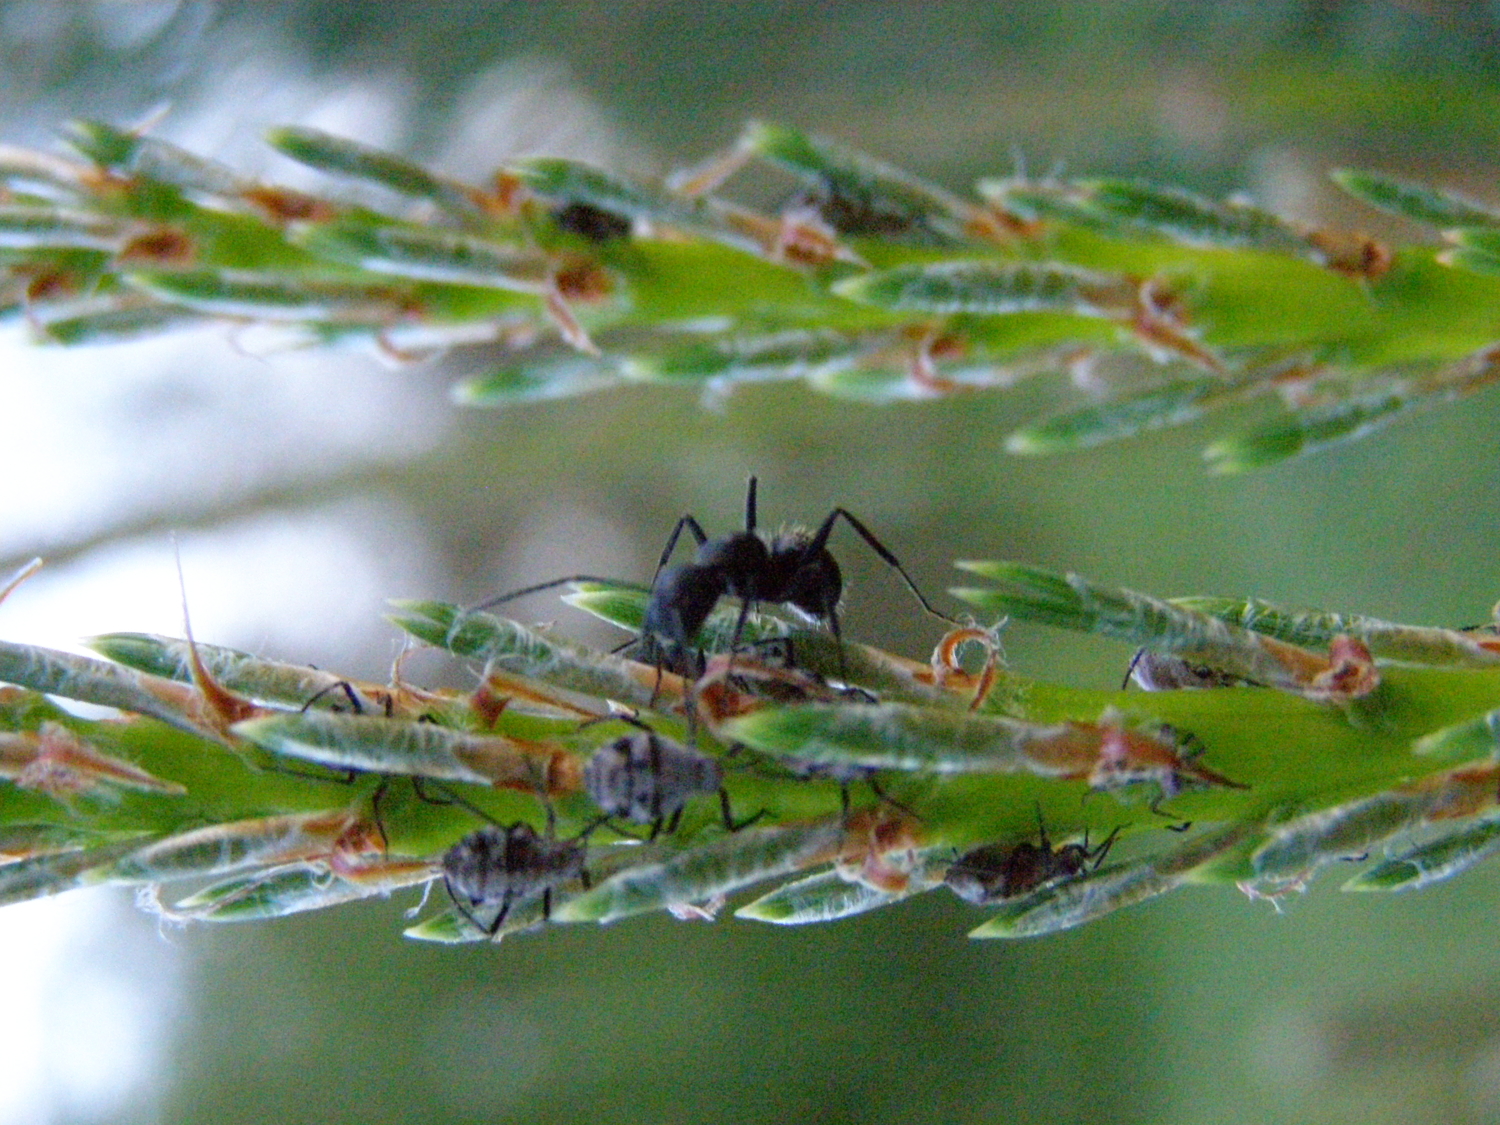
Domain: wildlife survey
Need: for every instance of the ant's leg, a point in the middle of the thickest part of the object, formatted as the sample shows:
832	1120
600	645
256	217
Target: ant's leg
750	508
341	686
540	586
693	528
820	541
739	626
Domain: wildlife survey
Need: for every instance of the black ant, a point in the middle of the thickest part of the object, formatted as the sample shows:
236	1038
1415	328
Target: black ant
792	568
999	871
647	779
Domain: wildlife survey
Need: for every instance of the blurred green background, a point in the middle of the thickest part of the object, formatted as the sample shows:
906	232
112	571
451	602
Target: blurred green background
306	489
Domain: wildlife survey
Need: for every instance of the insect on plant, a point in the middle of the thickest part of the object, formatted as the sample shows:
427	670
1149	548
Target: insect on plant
648	779
792	568
503	865
994	872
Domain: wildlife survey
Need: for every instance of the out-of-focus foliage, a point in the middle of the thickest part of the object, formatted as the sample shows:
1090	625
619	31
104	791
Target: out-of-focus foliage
868	284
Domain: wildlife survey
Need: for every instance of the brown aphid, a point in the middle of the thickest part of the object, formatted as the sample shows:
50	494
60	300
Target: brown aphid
162	246
995	872
500	866
283	205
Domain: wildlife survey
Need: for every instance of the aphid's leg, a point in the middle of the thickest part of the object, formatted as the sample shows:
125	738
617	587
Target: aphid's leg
820	541
1130	671
462	909
375	814
882	795
729	822
494	927
844	801
547	905
419	787
1155	809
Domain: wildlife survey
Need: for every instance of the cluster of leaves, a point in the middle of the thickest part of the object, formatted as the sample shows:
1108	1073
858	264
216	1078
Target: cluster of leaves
868	284
285	788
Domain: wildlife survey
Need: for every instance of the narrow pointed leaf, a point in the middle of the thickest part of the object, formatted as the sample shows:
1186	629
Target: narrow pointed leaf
343	157
1432	861
1307	432
420	254
1414	201
1173	405
991	287
706	872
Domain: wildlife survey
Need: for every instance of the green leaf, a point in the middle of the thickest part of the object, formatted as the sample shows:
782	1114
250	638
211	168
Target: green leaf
1413	201
1432	861
418	254
704	873
1180	401
343	157
1308	431
991	287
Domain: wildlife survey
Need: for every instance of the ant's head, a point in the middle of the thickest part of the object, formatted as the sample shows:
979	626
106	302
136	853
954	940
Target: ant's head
805	578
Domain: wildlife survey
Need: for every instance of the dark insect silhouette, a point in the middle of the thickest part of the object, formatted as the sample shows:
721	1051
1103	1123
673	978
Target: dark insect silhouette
792	568
647	779
995	872
502	865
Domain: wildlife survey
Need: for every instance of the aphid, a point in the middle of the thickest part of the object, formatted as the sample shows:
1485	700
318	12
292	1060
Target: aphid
721	692
995	872
1162	671
590	222
792	568
647	779
500	866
